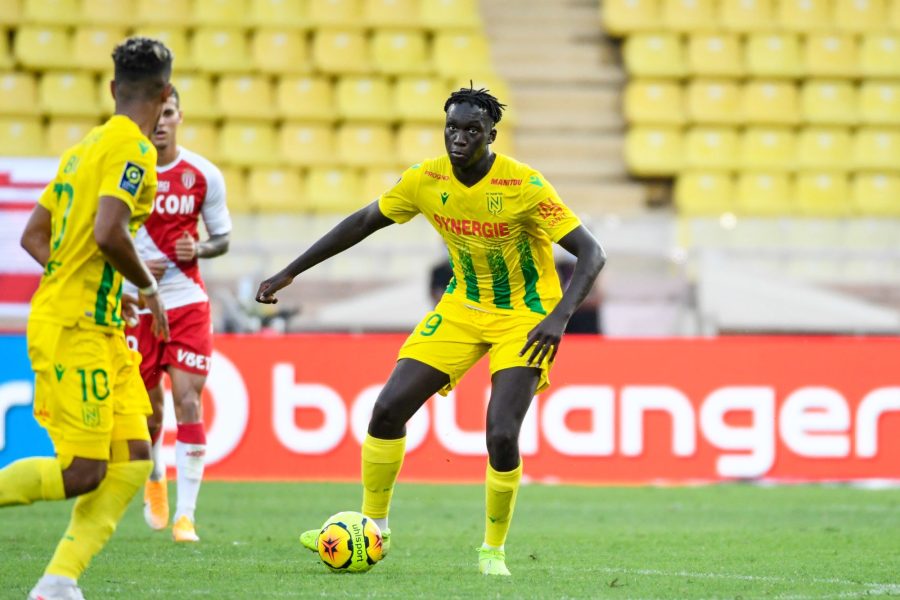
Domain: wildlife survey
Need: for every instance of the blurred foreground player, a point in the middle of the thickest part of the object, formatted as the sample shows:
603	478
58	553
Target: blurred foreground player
498	218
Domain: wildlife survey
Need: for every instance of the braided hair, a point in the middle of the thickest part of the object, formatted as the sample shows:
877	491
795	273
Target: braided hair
480	98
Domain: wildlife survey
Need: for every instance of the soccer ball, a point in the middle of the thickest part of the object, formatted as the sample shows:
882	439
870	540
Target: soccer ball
349	542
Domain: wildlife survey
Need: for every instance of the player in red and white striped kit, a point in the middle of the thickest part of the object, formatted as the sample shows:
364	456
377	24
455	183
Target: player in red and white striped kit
190	188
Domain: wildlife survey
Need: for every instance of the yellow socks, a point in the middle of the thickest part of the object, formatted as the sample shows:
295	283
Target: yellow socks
30	479
381	462
500	501
95	516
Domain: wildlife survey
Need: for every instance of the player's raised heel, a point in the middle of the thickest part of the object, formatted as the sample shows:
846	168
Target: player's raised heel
183	530
492	562
156	504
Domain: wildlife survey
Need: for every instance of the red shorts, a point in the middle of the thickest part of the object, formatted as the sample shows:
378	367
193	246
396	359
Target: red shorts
188	349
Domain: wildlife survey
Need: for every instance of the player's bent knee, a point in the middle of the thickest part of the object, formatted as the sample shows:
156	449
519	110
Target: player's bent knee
385	423
503	448
83	475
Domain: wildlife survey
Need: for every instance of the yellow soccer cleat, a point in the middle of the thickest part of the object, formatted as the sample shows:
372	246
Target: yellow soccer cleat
183	530
492	561
156	504
308	539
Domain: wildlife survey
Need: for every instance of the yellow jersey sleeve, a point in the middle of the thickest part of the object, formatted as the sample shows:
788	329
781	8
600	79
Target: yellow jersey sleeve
399	203
547	210
129	170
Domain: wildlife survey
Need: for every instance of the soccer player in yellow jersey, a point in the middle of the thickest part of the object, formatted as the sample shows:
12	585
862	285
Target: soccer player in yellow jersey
88	392
498	218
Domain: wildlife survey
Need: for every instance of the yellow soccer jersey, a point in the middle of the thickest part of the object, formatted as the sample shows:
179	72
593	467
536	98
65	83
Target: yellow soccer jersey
498	232
78	285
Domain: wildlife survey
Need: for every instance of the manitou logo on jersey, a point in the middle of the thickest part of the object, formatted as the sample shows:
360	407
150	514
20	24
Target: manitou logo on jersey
174	205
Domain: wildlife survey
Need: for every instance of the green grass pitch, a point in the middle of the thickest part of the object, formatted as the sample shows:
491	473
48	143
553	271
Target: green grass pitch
726	541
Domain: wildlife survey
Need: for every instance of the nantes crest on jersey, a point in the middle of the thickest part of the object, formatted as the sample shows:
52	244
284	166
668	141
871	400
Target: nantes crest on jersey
498	232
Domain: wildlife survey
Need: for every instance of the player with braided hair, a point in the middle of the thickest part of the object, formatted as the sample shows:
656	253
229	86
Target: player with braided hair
498	218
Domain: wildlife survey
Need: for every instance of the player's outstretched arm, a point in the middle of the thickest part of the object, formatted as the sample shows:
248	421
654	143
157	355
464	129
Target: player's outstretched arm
345	234
36	237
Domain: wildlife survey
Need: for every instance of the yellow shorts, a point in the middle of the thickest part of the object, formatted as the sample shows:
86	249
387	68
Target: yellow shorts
455	335
88	390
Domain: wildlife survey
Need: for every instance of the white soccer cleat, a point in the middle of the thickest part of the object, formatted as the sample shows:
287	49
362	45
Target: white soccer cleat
43	591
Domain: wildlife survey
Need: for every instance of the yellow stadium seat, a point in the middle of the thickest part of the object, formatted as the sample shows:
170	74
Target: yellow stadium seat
340	51
94	46
877	194
64	132
878	149
654	102
163	12
228	13
654	55
772	102
415	143
6	60
335	13
860	15
391	13
419	99
61	12
366	145
279	13
247	143
43	47
804	15
278	190
879	55
624	17
713	101
377	180
196	96
330	190
307	144
220	50
236	189
689	15
175	39
399	52
894	15
280	51
830	55
364	99
68	94
450	14
21	136
201	137
823	194
307	98
773	55
879	103
767	148
746	16
245	97
108	12
714	55
709	147
704	193
764	194
460	54
654	151
11	12
18	94
824	148
828	102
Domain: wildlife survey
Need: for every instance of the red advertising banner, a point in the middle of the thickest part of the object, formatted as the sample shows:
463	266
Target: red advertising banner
618	411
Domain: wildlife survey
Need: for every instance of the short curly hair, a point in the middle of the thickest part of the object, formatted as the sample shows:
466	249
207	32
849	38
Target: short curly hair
142	64
480	98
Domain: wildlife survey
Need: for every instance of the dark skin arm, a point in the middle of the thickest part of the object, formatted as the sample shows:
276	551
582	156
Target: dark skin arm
544	339
36	237
345	234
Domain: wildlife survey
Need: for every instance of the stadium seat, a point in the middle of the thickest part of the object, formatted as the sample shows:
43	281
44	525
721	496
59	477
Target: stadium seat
280	14
689	15
415	143
18	94
709	148
879	103
767	148
105	103
21	136
51	12
624	17
771	102
195	96
376	181
11	12
93	47
420	99
714	55
764	194
804	15
746	16
175	39
877	194
857	16
450	14
366	145
64	132
460	54
713	101
201	137
42	47
654	102
66	94
823	194
830	55
824	148
654	55
226	13
654	151
220	50
828	102
879	55
236	189
340	51
364	99
773	55
278	190
247	143
163	12
399	52
305	98
307	144
704	193
330	190
108	12
894	15
877	149
391	13
334	13
245	97
6	59
280	51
